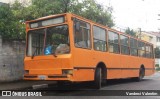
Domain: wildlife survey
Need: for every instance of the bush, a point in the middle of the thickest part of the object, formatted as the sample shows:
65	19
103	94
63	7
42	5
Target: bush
157	69
157	65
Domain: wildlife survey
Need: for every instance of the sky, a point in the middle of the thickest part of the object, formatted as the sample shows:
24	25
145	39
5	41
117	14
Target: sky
133	13
6	1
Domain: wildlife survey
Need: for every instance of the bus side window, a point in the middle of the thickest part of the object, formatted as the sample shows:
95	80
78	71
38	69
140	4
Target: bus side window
82	35
133	47
148	51
100	41
141	49
152	52
124	44
113	42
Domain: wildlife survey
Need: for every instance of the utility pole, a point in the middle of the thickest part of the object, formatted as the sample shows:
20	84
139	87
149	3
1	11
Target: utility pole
140	33
159	19
158	15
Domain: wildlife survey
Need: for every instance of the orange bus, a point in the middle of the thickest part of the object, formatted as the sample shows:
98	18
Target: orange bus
67	47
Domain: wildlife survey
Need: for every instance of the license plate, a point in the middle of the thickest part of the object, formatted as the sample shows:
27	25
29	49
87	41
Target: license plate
42	77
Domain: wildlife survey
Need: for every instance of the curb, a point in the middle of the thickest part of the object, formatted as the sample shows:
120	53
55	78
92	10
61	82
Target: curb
23	85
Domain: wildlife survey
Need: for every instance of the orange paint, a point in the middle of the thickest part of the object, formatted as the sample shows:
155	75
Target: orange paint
83	62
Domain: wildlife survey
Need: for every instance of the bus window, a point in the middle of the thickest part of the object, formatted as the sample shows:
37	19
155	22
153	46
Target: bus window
133	47
99	38
148	51
82	36
58	39
141	49
124	44
152	53
36	42
113	42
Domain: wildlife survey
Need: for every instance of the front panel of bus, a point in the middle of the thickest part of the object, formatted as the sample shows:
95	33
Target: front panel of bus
48	51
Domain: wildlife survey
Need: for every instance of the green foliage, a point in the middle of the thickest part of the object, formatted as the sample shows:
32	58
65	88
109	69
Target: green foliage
11	26
97	13
6	21
12	16
130	32
157	69
157	65
86	8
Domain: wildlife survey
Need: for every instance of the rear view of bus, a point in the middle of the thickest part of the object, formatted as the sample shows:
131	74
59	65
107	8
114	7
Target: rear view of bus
48	49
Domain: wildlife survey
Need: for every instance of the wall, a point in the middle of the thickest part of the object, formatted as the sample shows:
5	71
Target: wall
149	38
11	60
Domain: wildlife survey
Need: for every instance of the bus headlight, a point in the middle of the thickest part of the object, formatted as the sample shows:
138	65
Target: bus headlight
26	72
66	71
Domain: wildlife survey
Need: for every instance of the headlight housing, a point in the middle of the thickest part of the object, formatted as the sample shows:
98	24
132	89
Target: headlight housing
26	72
66	71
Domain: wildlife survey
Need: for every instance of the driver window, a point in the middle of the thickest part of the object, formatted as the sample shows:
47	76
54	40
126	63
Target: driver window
82	36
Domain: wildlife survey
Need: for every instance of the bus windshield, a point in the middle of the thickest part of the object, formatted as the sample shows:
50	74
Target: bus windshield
47	41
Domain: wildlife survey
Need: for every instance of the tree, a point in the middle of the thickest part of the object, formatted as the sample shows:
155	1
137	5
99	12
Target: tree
11	26
13	16
97	13
86	8
19	14
6	21
130	32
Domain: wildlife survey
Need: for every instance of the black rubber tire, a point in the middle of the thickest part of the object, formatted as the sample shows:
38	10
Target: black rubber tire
141	74
98	78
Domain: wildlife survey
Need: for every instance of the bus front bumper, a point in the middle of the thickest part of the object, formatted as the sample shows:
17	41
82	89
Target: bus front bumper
48	77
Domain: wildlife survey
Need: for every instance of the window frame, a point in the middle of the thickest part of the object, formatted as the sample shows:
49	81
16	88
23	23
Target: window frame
100	40
74	33
134	47
44	39
122	45
139	50
28	40
151	50
113	42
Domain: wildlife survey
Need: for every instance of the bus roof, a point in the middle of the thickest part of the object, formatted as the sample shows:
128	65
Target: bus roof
46	17
110	29
98	24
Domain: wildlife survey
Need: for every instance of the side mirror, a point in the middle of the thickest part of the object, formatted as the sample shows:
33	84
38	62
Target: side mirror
77	26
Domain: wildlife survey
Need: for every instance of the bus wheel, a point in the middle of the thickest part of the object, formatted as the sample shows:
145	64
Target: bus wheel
98	78
141	74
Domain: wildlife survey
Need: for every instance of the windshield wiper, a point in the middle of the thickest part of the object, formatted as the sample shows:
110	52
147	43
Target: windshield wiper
34	53
54	54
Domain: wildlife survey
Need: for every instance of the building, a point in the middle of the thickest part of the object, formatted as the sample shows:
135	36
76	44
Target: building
149	37
157	34
152	37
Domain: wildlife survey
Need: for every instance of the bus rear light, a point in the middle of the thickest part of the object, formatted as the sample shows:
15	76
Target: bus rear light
26	72
67	72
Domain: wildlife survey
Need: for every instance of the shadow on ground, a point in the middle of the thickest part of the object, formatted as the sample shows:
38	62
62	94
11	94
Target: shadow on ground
85	88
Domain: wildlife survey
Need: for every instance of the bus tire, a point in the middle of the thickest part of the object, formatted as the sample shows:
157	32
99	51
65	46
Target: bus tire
98	78
141	74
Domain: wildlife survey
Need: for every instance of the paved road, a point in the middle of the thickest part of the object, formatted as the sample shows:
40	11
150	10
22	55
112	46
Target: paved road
82	90
85	89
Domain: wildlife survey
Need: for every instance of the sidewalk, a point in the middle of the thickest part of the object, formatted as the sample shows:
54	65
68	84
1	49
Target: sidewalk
22	84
